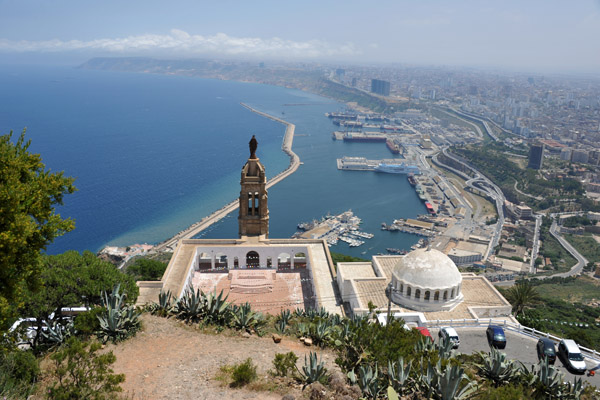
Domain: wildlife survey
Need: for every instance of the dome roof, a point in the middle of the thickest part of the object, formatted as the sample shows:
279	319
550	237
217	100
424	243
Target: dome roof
430	269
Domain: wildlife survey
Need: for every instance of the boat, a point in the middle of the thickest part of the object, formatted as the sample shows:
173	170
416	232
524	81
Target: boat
393	147
412	180
401	168
392	250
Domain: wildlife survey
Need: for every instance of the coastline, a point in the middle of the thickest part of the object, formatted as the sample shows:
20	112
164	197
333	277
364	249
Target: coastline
197	227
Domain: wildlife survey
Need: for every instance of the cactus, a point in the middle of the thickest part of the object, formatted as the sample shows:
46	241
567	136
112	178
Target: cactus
283	319
216	309
313	370
57	333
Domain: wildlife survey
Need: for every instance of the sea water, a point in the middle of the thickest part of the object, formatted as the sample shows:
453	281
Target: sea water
153	154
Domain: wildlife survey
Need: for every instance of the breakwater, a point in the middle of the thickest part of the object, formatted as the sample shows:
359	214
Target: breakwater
221	213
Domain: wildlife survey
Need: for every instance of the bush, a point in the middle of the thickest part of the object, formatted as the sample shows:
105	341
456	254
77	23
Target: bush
243	373
87	323
18	373
81	373
284	363
144	269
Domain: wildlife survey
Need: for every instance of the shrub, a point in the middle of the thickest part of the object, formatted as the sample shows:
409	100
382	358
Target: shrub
285	363
243	373
18	373
81	373
144	269
87	323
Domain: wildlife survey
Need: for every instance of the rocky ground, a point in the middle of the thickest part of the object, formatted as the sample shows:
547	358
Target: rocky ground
170	360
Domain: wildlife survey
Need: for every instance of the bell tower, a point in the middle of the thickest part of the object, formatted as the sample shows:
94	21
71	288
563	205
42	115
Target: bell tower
254	214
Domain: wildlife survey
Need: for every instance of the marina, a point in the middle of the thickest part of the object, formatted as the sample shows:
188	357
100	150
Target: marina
342	227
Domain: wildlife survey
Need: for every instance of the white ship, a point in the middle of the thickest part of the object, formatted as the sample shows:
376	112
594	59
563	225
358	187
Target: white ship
398	168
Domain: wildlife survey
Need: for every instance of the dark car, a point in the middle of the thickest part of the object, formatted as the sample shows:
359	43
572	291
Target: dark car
545	348
495	336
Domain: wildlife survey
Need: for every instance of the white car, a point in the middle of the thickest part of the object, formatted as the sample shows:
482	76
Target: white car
450	334
571	356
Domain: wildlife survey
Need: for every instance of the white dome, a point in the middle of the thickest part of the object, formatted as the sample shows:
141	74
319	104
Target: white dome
430	269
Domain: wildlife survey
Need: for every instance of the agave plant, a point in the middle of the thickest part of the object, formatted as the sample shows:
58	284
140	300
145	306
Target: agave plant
320	332
448	384
190	306
398	374
550	382
497	368
282	321
313	370
56	333
246	319
119	320
164	307
369	381
216	309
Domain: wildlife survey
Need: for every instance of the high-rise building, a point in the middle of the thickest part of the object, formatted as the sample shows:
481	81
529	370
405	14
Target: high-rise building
579	156
536	156
380	87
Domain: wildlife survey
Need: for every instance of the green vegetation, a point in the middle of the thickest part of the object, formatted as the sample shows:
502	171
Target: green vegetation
561	259
144	269
28	221
339	257
285	364
19	371
580	289
586	245
576	221
81	372
521	296
243	373
491	160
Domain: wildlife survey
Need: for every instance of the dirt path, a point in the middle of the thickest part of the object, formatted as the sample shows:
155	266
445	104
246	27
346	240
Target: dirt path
169	360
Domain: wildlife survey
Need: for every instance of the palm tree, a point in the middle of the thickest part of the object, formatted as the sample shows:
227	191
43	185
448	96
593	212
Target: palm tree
521	295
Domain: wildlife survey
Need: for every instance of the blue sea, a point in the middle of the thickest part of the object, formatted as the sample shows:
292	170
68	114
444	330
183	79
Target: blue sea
153	154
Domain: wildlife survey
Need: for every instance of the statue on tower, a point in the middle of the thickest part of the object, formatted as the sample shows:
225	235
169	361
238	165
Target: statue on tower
253	145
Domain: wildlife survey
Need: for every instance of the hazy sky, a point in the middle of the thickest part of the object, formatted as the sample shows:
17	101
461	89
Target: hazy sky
522	34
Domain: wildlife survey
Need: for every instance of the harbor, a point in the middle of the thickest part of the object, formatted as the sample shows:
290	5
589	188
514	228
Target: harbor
332	229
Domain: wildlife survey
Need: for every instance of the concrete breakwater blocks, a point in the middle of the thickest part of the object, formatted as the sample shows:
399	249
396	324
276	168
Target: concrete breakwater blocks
248	281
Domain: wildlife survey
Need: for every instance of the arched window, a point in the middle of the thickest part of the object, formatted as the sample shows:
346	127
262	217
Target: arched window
452	294
408	290
401	288
418	294
269	262
426	296
236	262
221	261
252	260
436	296
284	261
445	295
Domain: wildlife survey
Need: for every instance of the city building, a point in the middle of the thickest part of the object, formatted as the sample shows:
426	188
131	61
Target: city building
380	87
536	156
579	156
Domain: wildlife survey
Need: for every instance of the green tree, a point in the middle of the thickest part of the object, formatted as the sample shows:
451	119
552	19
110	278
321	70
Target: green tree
28	221
144	269
72	279
522	295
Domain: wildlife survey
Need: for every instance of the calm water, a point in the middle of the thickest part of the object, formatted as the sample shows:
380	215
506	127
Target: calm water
153	154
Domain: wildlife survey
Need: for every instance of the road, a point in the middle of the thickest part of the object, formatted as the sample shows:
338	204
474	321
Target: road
581	260
518	347
536	243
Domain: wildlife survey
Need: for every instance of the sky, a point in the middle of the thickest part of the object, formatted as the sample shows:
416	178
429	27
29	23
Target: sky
544	35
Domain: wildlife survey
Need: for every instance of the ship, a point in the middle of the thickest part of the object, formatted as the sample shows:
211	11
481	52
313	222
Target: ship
397	168
340	115
363	137
392	250
393	147
412	180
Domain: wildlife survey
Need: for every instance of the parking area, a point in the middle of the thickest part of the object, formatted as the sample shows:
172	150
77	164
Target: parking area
518	347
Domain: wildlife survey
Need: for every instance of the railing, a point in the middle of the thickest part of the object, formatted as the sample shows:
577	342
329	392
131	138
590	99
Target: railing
509	326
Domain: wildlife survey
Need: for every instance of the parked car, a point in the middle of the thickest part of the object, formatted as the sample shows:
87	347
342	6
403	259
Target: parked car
496	337
545	348
424	331
571	356
448	333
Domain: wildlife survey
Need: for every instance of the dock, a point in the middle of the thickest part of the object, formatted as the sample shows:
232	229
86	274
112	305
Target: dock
196	228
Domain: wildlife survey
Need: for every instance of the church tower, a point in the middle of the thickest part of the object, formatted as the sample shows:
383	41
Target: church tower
254	213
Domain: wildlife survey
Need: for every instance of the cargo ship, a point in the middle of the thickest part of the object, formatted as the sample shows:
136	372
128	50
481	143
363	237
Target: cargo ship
429	207
361	137
393	147
412	180
341	115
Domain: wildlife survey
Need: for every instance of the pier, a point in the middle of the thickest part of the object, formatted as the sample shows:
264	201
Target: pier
207	221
